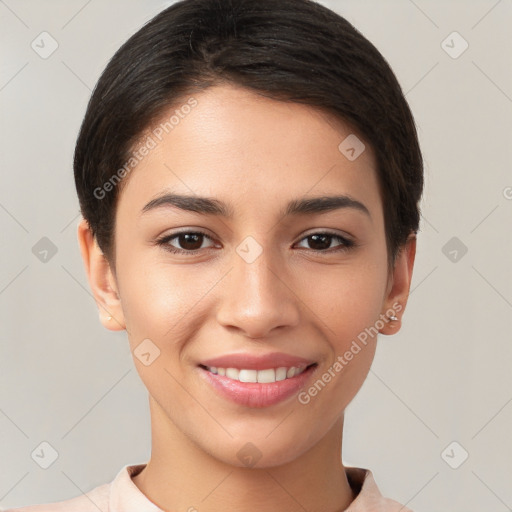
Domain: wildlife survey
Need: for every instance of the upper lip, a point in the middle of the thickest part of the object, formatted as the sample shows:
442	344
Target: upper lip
257	362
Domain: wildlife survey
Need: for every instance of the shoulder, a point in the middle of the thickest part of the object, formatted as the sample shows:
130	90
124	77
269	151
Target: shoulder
116	496
93	501
368	496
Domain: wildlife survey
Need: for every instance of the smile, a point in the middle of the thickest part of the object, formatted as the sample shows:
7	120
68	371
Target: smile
256	381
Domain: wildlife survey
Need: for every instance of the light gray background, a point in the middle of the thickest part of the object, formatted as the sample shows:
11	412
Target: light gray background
445	377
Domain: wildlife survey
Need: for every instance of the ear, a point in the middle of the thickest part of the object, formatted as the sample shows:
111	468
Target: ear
101	280
399	284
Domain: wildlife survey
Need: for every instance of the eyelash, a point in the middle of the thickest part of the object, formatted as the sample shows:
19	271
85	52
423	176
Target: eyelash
346	244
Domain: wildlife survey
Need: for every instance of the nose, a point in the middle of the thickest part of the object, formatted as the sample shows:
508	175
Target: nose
258	297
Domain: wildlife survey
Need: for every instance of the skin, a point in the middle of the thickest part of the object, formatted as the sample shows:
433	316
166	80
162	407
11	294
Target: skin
255	154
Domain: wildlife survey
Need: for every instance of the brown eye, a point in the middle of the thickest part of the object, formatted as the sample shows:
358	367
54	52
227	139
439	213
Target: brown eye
185	242
321	242
190	241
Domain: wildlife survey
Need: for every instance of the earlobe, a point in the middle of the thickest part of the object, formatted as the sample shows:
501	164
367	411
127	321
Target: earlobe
398	290
101	280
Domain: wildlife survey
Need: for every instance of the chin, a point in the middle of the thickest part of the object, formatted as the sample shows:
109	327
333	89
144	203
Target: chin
257	452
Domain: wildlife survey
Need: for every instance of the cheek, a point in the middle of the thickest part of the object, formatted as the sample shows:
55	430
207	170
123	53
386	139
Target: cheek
349	303
157	299
167	305
347	298
161	307
349	315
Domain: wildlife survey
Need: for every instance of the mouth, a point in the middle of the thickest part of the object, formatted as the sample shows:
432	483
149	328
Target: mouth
255	383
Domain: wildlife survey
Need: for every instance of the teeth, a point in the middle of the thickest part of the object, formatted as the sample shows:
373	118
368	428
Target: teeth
261	376
281	373
266	376
248	376
233	373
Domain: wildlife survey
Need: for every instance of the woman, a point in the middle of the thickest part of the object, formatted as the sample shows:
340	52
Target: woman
249	177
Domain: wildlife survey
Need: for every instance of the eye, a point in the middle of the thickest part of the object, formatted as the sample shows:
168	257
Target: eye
321	242
187	241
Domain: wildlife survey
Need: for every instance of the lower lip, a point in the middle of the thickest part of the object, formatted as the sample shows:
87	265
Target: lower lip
255	394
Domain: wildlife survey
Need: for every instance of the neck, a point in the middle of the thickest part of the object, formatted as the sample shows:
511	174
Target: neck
181	476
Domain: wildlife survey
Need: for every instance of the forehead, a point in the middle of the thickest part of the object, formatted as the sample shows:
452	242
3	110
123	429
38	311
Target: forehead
252	152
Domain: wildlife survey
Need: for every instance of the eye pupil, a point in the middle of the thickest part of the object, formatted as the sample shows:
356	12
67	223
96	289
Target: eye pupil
322	244
187	239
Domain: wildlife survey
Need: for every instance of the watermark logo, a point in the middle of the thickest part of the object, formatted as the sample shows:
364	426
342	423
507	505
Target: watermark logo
249	249
146	352
454	249
44	45
454	45
44	250
454	455
351	147
44	455
249	455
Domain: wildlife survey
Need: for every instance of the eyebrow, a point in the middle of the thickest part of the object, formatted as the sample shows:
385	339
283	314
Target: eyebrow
211	206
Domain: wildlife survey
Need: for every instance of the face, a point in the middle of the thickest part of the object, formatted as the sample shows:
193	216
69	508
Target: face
258	276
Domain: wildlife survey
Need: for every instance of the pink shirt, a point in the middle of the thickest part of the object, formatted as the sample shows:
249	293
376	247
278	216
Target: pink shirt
122	495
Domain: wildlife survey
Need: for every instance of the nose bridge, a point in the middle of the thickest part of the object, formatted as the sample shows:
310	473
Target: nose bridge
258	277
256	299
